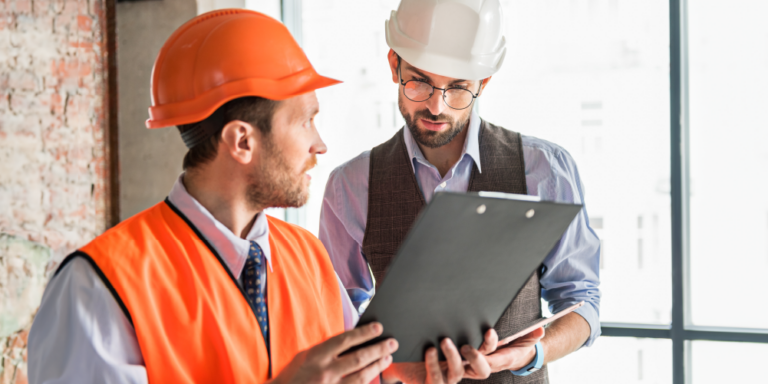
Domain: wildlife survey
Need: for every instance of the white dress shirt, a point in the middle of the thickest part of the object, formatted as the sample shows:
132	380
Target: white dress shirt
80	334
572	268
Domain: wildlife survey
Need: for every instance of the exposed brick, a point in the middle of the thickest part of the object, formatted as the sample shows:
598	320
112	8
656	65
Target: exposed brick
21	374
22	6
52	131
26	103
42	8
57	106
23	82
4	102
5	20
85	23
82	45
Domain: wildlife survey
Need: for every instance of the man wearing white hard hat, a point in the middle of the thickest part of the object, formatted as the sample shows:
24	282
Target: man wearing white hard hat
443	54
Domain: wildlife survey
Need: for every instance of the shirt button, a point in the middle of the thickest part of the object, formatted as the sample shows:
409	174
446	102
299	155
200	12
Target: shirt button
442	185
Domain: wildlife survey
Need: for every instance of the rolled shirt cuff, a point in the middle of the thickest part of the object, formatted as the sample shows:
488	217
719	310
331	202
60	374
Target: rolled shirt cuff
588	312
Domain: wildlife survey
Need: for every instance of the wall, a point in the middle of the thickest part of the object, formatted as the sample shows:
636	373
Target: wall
150	160
54	159
204	6
53	151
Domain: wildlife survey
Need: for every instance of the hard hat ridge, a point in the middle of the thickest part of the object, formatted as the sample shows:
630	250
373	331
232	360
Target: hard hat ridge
455	38
224	55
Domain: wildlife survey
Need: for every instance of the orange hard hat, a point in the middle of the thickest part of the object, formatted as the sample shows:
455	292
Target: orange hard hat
224	55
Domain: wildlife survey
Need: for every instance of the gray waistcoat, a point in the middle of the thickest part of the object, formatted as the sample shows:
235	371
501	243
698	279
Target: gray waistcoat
394	200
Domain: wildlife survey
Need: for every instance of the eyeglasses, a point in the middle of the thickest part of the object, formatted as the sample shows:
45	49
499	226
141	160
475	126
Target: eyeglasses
418	91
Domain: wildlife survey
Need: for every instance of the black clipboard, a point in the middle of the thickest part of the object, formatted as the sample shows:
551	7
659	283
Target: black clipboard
461	265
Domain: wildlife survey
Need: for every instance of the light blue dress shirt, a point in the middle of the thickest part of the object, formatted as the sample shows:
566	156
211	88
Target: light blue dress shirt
572	268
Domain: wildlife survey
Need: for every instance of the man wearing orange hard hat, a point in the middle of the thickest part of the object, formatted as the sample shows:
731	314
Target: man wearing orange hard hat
204	287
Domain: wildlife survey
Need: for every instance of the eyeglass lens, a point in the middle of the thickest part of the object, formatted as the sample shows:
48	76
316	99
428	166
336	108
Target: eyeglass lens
457	98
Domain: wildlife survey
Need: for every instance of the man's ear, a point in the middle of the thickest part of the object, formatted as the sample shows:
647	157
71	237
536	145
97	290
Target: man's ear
392	58
485	82
240	140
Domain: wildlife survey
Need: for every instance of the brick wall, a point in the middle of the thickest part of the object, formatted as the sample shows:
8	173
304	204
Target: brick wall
53	158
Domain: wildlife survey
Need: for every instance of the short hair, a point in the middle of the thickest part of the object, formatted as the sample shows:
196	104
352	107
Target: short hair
254	110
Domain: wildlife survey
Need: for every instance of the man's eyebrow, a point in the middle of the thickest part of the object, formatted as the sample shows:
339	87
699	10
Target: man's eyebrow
458	81
301	114
422	74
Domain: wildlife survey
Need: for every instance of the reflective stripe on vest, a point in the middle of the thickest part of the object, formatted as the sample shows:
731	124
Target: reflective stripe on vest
192	321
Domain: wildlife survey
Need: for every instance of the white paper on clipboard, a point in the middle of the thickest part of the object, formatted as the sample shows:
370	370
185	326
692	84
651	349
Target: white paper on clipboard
540	323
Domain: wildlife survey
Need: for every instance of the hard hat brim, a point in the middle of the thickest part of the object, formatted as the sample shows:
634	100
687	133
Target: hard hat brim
202	106
448	66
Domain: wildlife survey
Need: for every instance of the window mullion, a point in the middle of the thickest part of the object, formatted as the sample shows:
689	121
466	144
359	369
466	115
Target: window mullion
679	195
290	11
291	14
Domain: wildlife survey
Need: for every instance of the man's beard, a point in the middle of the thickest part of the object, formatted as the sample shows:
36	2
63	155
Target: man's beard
427	138
274	183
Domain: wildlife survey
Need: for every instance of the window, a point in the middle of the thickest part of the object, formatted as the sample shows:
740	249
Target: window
362	112
662	104
729	161
613	360
711	359
593	77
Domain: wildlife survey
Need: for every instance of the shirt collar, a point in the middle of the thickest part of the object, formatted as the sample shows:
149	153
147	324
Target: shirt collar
232	249
471	144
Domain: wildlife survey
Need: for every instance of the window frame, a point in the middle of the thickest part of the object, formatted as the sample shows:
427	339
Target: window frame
290	13
681	330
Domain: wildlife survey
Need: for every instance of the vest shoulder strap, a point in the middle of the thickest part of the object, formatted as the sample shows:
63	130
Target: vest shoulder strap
394	201
501	160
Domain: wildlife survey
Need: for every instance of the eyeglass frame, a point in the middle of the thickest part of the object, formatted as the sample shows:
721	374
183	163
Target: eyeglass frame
400	77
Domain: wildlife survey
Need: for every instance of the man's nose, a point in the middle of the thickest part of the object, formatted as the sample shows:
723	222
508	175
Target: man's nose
435	104
318	147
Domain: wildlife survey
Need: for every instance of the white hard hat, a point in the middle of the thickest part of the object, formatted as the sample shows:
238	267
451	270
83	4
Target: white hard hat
463	39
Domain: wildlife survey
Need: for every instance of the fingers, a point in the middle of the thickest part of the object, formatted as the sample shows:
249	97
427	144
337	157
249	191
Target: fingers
530	339
536	334
434	373
490	343
452	356
367	374
406	373
505	358
361	358
338	344
478	365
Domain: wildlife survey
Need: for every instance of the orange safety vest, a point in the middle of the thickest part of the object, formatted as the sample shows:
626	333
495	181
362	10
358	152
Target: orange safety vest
192	320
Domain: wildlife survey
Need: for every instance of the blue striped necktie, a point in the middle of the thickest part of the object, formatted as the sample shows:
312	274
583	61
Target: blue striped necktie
252	281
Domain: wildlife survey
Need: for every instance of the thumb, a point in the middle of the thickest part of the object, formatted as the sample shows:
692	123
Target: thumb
530	339
538	333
